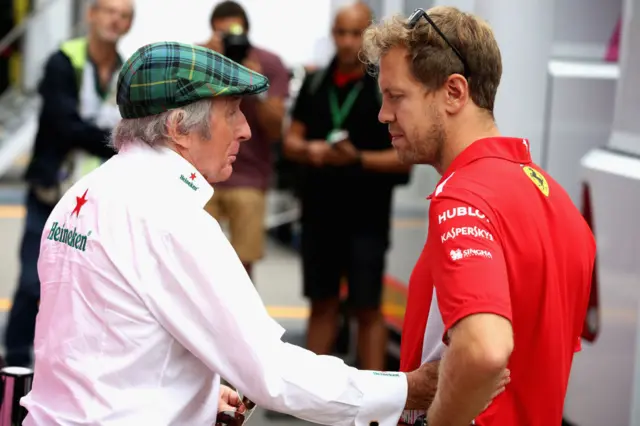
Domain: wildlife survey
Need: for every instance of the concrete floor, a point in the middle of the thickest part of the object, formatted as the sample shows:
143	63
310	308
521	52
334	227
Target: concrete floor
277	276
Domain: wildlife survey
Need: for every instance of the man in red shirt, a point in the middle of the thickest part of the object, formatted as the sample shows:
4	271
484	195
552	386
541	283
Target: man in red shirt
503	280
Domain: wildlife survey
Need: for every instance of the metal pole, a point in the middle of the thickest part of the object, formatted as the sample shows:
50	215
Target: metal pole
16	383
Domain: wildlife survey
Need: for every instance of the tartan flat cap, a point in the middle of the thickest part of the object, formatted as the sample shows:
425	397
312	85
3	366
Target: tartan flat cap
166	75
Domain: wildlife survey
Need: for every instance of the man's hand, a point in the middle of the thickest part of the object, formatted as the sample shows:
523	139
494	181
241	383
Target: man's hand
317	151
230	400
422	385
343	154
502	385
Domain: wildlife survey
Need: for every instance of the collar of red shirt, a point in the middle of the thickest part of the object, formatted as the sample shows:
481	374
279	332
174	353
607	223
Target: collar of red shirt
511	149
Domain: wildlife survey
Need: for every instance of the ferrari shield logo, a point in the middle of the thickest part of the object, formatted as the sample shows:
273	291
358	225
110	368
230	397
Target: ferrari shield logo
538	179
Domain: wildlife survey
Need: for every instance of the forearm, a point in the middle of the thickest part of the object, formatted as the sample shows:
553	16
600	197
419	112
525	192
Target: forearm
466	383
385	161
295	149
324	390
270	115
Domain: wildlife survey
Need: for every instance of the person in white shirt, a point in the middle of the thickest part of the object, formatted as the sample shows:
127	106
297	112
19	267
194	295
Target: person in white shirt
145	303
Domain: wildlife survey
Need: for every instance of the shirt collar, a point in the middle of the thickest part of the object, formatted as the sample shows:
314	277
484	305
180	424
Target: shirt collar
515	150
169	171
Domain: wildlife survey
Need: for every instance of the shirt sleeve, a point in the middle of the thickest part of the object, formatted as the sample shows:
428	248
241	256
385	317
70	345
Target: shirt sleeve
205	299
278	78
59	93
302	105
470	271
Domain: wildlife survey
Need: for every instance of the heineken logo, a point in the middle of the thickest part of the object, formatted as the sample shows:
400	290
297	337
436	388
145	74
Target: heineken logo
386	373
189	181
70	237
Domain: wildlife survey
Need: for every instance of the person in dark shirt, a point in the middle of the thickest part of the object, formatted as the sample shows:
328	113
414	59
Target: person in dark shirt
73	131
346	191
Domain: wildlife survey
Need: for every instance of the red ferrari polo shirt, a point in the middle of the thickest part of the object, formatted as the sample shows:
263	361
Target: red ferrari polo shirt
504	238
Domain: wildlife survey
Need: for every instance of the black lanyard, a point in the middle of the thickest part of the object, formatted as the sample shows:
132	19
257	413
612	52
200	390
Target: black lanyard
340	113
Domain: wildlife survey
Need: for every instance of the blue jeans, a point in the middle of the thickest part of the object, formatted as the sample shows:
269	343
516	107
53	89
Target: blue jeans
20	330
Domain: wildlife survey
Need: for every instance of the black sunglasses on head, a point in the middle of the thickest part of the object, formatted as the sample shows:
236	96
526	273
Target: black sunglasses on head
413	21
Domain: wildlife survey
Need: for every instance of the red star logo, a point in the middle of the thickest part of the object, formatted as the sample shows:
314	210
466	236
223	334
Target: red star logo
193	176
79	203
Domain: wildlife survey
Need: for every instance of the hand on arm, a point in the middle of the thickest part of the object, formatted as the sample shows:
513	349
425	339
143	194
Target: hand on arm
382	161
423	384
298	149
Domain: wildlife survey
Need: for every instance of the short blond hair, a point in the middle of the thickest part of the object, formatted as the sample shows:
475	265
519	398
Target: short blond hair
432	61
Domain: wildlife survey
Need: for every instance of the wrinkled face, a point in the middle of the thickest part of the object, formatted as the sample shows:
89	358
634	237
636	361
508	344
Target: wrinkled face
347	35
214	157
415	119
110	19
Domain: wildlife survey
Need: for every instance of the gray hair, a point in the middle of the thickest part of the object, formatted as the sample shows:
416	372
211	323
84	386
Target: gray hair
195	117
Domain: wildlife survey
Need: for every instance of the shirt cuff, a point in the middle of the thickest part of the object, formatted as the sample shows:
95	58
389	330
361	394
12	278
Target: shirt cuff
384	397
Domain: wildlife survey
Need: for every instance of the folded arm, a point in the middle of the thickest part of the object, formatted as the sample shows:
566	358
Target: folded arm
384	161
60	109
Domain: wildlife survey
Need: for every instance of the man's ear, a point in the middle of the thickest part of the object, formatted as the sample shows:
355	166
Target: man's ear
174	130
457	93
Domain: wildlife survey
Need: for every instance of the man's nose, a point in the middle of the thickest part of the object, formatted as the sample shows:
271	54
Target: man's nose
385	115
244	132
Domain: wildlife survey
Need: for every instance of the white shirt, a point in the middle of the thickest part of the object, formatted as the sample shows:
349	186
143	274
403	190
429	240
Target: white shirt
144	305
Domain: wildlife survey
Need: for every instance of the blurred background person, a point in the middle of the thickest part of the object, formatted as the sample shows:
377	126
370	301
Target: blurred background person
349	171
77	114
242	199
6	23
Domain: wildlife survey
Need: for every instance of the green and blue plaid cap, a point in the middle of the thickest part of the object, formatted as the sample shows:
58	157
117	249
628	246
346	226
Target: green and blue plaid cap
166	75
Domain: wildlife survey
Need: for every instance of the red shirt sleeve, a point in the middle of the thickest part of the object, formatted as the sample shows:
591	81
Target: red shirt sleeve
469	269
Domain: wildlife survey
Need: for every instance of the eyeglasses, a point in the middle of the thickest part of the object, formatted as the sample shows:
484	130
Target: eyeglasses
234	418
413	21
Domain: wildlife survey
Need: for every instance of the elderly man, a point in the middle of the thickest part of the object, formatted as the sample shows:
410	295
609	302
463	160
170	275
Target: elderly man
137	320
